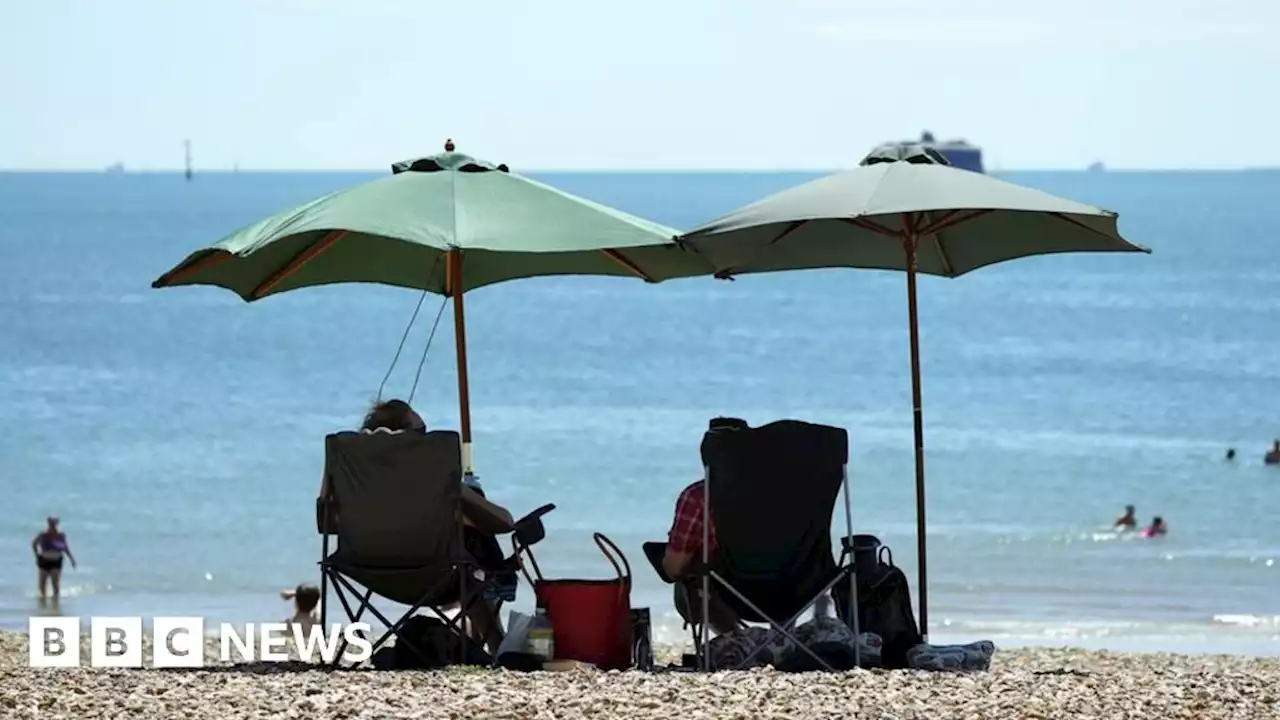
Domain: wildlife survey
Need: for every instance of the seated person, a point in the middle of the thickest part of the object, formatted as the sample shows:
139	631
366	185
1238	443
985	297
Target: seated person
684	551
396	416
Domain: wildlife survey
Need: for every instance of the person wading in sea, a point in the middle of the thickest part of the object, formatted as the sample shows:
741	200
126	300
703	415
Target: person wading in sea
49	547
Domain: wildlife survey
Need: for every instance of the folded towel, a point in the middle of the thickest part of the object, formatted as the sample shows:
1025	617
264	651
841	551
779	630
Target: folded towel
974	656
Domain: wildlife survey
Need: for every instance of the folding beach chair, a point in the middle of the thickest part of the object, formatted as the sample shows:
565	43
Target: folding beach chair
771	492
393	500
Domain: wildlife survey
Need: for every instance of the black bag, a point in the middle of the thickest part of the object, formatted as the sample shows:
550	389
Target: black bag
425	643
884	608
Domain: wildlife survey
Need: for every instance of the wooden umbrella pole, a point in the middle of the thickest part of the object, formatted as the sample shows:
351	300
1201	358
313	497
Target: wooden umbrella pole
460	342
910	242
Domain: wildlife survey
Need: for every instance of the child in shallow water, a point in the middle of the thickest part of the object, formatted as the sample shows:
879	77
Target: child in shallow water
306	601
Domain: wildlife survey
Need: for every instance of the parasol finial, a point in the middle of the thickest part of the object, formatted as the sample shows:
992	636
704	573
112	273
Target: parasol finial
448	145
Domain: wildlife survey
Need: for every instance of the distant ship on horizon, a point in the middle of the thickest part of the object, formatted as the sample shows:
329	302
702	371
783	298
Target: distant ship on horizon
114	168
960	153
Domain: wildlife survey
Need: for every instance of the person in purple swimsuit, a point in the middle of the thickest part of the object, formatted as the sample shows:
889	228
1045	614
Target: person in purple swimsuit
49	547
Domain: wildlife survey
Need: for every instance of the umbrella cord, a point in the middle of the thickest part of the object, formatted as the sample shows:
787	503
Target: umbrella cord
403	338
413	390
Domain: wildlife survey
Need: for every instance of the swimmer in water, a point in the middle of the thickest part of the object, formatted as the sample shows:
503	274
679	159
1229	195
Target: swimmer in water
49	547
1231	454
1157	528
1273	455
1127	521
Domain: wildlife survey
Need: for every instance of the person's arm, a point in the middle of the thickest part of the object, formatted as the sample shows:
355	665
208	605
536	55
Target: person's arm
676	564
478	503
288	594
684	539
66	550
35	546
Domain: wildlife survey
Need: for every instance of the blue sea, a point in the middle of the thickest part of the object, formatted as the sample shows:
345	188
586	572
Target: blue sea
178	433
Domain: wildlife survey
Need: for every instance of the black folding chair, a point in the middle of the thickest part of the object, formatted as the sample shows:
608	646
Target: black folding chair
771	493
394	501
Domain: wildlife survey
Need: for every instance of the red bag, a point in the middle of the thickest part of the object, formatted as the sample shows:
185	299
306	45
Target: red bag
591	619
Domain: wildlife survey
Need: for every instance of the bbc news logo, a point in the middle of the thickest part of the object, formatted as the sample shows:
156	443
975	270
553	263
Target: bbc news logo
179	642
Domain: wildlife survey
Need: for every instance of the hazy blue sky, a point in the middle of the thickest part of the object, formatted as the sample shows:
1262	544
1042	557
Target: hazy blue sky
549	84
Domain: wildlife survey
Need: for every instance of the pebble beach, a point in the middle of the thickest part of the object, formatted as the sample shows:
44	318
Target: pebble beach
1023	683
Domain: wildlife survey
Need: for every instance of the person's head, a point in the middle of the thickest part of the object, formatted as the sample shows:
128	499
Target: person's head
1158	521
1276	445
52	523
306	597
393	415
1128	509
1231	453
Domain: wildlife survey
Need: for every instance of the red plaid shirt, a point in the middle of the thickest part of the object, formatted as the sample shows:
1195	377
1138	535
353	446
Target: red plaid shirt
686	530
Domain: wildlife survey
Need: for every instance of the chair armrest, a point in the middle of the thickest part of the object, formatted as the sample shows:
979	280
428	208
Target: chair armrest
536	514
529	529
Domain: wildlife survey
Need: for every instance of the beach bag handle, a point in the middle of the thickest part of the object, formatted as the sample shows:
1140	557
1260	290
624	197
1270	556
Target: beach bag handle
610	551
601	542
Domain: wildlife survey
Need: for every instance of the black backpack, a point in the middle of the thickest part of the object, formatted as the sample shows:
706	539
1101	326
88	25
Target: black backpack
884	608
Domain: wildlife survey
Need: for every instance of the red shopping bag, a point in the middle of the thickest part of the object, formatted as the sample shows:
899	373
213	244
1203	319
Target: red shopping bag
591	619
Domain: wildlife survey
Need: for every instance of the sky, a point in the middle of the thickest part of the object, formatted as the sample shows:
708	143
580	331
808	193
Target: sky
652	85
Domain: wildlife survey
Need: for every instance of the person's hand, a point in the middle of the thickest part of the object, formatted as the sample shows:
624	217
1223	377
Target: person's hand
73	564
286	594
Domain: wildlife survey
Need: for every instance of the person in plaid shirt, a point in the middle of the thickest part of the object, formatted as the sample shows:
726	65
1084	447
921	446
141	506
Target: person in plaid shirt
684	550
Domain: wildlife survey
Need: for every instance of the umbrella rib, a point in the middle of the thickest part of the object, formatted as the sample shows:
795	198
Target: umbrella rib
728	273
942	255
297	262
790	229
1079	224
866	224
624	261
950	220
938	221
213	257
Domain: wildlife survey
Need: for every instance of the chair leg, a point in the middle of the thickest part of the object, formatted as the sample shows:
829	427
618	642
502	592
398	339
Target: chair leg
698	650
352	617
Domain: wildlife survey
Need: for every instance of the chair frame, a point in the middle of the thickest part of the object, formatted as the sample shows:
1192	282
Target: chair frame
453	572
460	571
849	570
527	531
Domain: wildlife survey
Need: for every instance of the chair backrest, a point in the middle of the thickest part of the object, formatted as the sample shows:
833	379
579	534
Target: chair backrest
771	492
397	496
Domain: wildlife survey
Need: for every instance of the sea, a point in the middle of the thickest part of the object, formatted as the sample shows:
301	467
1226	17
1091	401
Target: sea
178	433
